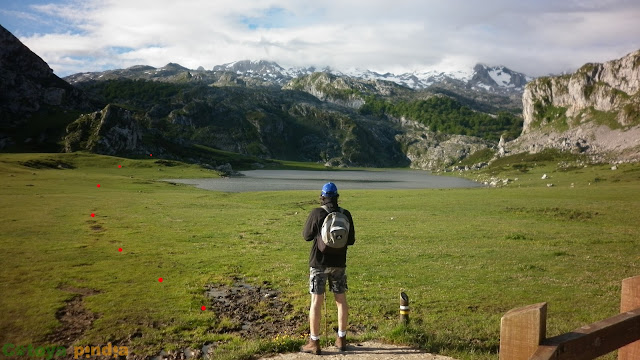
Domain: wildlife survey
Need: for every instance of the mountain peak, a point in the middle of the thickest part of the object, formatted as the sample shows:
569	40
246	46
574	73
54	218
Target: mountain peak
174	66
259	66
141	67
495	79
500	77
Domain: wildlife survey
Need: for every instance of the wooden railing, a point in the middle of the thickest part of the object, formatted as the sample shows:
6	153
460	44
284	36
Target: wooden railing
523	333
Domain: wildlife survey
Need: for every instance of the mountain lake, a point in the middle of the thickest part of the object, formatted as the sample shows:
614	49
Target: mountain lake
280	180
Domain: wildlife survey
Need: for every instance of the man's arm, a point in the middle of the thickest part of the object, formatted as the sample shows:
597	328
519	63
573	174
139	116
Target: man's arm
310	229
352	230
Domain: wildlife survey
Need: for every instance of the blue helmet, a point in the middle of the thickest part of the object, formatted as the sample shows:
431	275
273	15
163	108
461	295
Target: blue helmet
329	190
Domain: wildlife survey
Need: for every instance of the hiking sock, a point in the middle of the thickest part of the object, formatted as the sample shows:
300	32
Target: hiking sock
314	337
342	333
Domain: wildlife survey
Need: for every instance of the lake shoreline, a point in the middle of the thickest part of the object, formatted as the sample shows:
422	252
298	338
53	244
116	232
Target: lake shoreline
285	180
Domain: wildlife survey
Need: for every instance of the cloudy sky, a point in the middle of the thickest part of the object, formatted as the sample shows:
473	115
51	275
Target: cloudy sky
536	37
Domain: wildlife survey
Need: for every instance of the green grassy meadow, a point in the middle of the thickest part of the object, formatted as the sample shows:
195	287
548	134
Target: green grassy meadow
464	256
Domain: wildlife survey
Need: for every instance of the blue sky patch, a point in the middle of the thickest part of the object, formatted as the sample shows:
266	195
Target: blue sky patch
121	49
272	18
22	19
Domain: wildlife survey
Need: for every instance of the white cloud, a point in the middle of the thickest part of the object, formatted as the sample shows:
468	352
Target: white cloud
534	37
18	14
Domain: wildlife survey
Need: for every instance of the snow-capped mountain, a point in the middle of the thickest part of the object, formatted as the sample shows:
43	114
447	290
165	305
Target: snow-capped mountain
414	80
265	70
482	78
498	79
488	77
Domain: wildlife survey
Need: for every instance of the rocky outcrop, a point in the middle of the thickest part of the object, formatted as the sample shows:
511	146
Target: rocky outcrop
595	110
114	130
427	150
326	87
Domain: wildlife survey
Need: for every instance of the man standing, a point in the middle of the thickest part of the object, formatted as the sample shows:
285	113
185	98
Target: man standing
327	264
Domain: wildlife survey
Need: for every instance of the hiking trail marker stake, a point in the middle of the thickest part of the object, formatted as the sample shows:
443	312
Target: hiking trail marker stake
404	308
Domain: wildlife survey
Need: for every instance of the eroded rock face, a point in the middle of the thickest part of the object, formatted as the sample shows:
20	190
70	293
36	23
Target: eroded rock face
110	131
589	111
427	150
604	87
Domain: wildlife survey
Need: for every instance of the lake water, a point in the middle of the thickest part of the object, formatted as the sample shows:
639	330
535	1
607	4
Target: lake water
278	180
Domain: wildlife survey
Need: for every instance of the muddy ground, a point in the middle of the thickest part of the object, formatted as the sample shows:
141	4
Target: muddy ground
73	317
244	310
254	311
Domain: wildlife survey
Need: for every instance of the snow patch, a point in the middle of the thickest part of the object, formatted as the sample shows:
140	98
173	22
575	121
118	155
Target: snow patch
501	78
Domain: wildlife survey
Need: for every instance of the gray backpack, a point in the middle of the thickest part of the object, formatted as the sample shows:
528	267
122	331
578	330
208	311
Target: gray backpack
334	232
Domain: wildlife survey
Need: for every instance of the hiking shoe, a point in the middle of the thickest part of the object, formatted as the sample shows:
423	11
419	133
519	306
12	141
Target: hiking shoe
341	343
312	346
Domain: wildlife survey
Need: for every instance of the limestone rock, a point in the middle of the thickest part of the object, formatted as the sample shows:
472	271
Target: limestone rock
331	88
595	111
111	131
433	151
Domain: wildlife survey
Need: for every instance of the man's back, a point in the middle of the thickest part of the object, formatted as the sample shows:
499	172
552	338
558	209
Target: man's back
311	232
327	266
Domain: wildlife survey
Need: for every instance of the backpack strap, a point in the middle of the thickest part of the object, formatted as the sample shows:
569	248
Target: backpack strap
326	208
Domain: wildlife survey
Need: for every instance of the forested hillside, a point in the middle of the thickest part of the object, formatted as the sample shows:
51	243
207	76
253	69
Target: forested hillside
444	114
294	125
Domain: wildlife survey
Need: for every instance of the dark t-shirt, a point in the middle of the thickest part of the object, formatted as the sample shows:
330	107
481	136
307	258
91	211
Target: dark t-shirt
311	232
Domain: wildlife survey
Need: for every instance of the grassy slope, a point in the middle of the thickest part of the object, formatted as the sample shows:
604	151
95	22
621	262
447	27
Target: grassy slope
463	256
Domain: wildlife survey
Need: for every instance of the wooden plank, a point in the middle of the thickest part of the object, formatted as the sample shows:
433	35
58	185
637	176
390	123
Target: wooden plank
591	341
522	330
629	300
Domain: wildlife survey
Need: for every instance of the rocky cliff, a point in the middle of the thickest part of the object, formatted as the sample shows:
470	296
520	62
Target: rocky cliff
111	131
595	110
428	150
31	93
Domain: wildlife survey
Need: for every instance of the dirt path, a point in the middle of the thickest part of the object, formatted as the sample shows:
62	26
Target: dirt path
364	351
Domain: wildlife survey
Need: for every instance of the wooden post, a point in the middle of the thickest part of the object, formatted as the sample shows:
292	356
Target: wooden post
522	330
593	340
630	300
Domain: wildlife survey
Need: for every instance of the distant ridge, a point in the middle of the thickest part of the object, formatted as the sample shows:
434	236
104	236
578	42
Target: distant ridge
493	79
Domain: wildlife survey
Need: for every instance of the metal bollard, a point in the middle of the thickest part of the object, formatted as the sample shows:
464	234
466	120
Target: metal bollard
404	308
